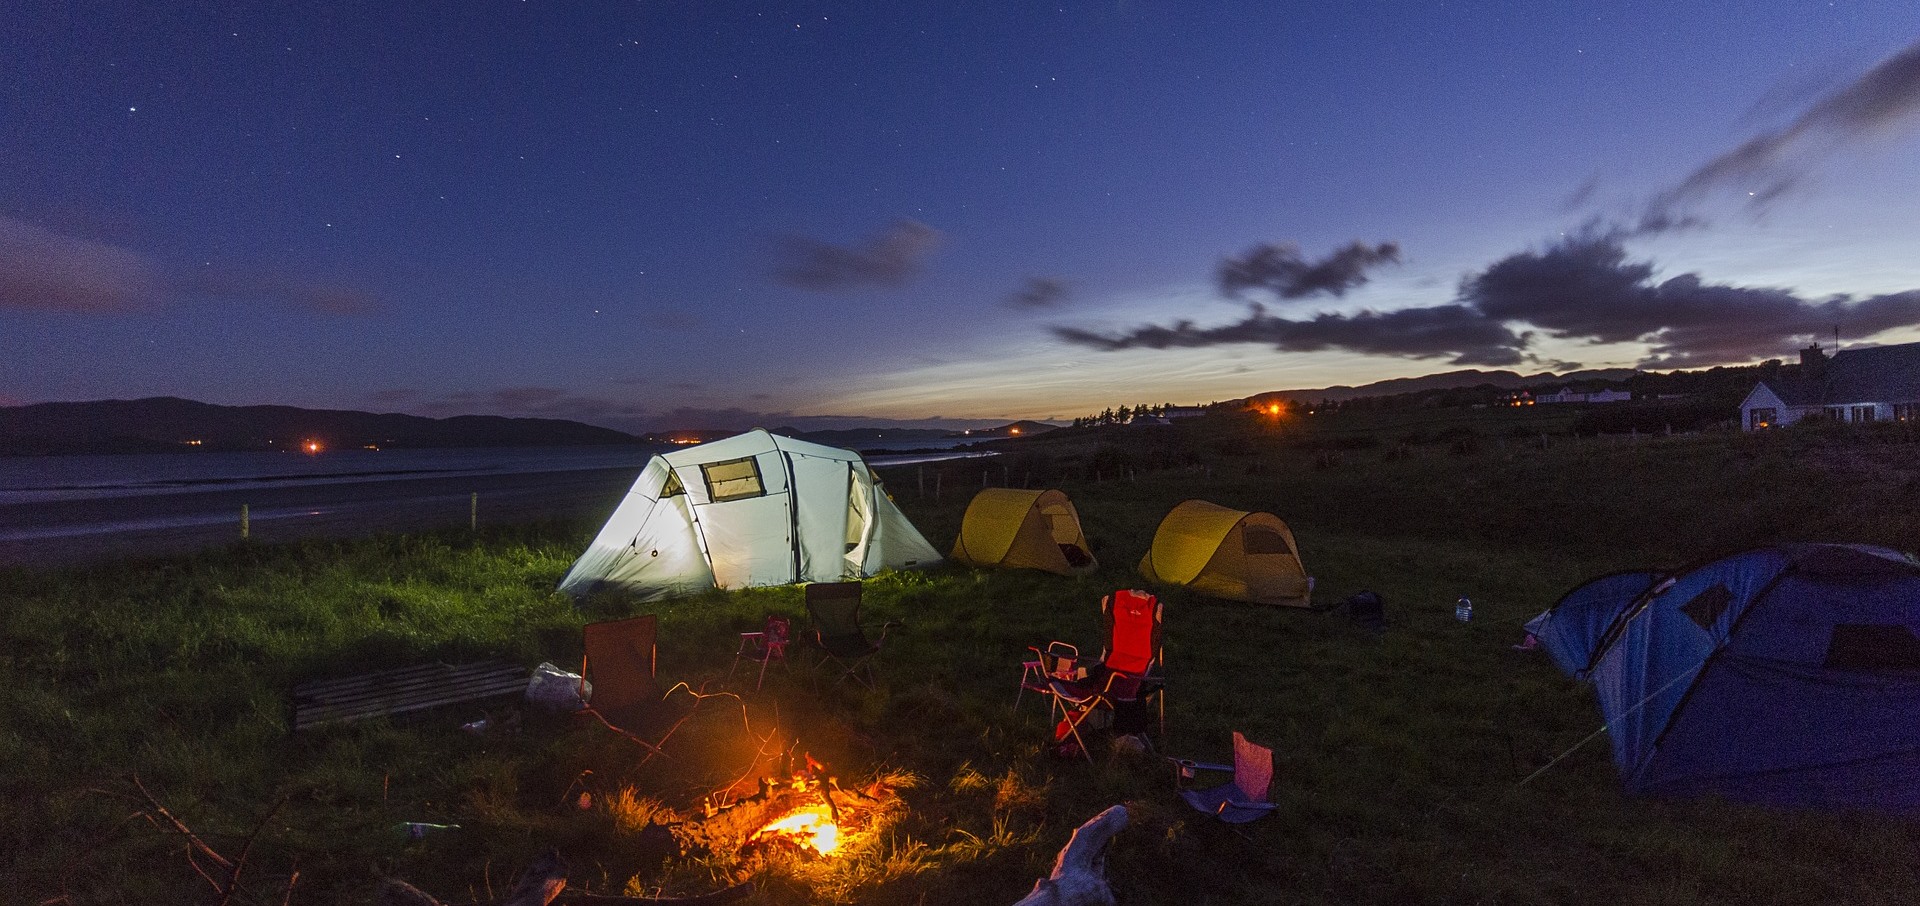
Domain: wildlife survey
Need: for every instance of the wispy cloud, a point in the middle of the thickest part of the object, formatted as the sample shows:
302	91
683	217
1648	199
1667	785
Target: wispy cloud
890	258
1880	103
1039	292
48	271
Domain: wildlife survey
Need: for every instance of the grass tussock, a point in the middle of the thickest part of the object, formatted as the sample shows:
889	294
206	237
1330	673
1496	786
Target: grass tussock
1397	754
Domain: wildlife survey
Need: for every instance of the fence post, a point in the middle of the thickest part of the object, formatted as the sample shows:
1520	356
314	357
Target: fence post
473	512
245	527
922	471
938	477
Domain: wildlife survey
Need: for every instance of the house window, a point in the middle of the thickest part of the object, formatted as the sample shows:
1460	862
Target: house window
1904	412
1863	413
1837	413
1762	418
735	479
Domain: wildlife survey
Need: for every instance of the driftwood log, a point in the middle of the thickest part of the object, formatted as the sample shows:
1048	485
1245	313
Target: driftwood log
545	884
1080	873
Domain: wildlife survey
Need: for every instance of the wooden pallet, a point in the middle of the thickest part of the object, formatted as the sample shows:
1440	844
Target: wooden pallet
403	691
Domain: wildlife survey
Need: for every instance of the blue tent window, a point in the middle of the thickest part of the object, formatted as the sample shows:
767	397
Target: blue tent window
1707	606
1873	646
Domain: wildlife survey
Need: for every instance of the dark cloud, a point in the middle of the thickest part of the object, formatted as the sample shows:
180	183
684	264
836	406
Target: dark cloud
1456	332
890	258
1586	289
1039	292
41	269
1885	98
1279	269
1583	289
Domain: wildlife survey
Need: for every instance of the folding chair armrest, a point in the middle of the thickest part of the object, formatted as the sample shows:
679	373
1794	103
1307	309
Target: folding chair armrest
1188	764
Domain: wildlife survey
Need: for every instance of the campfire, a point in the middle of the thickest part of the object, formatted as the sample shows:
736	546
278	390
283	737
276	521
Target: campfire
808	828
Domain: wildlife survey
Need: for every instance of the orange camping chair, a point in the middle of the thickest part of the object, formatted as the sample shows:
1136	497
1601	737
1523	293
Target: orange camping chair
1127	674
619	663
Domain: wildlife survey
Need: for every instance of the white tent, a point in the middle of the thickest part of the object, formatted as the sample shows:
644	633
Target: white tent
753	509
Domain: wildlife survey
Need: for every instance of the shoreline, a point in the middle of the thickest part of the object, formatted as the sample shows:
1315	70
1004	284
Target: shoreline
58	534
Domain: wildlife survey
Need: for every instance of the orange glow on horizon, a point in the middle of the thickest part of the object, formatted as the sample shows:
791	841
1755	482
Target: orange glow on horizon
311	446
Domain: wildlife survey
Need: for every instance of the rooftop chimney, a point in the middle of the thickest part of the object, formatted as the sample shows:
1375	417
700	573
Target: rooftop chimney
1812	358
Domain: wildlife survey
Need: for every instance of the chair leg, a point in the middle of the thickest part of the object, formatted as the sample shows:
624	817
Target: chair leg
736	666
768	659
1073	729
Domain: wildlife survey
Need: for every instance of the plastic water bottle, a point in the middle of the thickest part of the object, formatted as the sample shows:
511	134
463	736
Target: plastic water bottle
1463	610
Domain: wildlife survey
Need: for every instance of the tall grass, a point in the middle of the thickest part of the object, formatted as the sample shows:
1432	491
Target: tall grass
1398	755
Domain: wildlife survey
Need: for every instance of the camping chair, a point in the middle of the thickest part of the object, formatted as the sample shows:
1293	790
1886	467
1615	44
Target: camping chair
1241	799
619	665
1058	660
1127	674
766	646
837	633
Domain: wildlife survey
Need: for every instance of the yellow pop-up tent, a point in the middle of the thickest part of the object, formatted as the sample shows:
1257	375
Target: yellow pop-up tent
1228	554
1015	529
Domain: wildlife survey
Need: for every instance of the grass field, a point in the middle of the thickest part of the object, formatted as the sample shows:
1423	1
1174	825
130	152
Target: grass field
1398	755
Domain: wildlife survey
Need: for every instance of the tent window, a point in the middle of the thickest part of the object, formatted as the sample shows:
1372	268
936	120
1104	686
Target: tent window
1707	606
674	488
1259	540
735	479
1872	646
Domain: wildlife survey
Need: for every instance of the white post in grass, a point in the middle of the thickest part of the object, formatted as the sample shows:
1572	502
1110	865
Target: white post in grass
473	512
244	520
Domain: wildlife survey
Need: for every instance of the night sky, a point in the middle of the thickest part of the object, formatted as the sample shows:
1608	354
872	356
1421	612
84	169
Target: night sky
647	215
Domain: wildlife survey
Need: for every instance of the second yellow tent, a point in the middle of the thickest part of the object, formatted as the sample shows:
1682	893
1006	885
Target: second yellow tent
1230	554
1015	529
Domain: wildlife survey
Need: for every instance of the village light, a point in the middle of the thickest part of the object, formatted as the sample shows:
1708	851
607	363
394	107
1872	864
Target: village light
311	446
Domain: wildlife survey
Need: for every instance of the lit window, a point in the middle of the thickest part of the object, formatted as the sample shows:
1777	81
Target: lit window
735	479
1762	418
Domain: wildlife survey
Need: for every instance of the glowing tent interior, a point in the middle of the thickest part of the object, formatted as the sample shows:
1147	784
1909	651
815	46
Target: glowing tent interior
752	509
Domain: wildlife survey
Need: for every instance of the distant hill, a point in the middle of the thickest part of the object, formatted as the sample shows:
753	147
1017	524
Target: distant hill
171	424
1450	380
855	437
1022	428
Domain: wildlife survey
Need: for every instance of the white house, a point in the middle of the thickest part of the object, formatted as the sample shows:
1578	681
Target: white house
1568	395
1879	383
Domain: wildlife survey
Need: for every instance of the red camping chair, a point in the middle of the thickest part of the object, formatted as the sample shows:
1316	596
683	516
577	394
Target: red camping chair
1240	800
766	646
1127	674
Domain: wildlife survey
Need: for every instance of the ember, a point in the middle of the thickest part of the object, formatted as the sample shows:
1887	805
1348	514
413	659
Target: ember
808	827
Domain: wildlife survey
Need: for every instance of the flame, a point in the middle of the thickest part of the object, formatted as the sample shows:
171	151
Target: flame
809	826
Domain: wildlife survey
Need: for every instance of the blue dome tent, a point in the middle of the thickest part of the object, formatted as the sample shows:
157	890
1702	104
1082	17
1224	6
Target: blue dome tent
1786	675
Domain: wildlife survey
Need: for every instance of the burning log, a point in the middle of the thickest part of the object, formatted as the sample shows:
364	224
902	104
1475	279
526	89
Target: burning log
1080	873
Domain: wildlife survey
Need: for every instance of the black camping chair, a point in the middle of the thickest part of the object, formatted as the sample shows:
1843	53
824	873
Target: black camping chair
837	633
